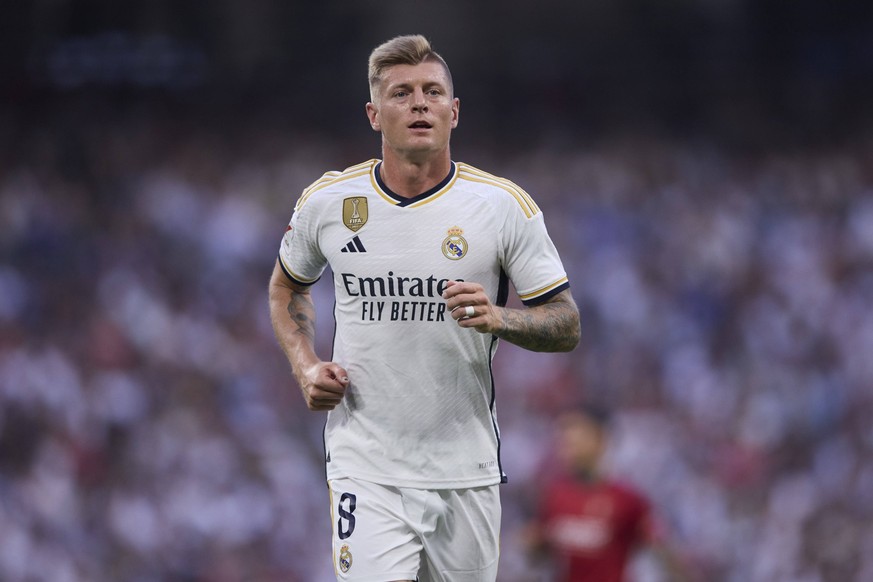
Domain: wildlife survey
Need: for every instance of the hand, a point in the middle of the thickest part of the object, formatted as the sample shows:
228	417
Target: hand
460	295
323	385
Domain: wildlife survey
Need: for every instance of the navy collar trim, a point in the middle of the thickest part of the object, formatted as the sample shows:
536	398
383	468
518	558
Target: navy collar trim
401	201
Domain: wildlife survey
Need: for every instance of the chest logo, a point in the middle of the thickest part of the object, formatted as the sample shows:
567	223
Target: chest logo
455	245
355	212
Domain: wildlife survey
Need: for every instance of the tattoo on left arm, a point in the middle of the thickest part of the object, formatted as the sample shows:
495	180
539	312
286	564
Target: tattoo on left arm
302	313
550	327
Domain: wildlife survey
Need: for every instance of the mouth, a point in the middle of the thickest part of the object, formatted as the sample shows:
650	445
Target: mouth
420	125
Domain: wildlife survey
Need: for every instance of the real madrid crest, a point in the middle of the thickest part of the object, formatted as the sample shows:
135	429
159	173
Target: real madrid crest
345	559
455	245
355	212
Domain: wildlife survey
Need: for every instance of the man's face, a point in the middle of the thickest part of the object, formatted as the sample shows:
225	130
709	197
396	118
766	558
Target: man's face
414	109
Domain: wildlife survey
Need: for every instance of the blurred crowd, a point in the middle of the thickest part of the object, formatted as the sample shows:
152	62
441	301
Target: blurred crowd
150	429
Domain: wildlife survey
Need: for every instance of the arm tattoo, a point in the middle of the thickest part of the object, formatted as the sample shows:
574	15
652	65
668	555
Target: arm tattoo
302	312
550	327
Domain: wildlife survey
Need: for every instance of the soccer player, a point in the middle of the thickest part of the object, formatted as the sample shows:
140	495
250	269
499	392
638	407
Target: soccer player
422	250
589	524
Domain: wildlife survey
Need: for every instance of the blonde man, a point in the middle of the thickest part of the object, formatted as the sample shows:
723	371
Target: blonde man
422	251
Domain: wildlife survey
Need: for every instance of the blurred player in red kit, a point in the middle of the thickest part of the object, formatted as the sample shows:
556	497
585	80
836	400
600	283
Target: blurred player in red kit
589	525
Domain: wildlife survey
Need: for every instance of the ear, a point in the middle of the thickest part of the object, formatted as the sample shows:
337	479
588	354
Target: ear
373	116
456	111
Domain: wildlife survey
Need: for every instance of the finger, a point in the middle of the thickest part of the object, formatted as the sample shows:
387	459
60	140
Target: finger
331	394
321	398
454	288
316	407
461	301
337	373
323	405
321	394
329	389
330	384
464	312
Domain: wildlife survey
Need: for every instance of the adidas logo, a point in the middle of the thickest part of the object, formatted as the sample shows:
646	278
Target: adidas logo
354	246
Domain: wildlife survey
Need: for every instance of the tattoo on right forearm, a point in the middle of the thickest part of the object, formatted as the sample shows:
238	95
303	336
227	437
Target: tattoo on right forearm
302	313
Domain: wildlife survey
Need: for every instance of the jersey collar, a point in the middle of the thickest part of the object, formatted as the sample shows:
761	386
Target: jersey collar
415	201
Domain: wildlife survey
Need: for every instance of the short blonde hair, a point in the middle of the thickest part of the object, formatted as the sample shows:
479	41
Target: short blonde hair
410	49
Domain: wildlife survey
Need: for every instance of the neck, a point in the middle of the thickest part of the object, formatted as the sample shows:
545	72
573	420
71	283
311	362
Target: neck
409	178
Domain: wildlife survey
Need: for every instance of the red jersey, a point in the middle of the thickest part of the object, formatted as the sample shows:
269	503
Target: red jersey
592	528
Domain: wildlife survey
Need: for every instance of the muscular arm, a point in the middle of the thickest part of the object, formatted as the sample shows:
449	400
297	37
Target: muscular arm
292	313
549	327
552	326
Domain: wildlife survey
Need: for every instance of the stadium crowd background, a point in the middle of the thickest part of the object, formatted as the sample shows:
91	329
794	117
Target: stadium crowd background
706	170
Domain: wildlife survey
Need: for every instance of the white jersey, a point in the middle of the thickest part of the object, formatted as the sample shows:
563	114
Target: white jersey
420	408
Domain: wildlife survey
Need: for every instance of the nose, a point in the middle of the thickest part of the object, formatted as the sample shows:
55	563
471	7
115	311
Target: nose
419	104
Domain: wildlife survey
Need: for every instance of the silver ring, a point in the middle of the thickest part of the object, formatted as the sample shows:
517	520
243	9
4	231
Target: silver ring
469	311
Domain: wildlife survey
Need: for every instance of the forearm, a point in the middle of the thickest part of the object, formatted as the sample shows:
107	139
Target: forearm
550	327
292	314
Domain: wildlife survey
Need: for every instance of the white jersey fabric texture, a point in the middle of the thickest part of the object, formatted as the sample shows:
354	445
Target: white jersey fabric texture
420	409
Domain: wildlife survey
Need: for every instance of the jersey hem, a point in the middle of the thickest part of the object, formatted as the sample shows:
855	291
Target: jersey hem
393	575
418	484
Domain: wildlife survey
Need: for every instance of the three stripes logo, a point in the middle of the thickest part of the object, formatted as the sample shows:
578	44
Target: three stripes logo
355	246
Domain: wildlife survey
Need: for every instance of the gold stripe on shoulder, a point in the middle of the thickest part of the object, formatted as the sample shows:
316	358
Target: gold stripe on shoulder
543	290
368	164
304	196
523	198
330	178
524	206
509	183
327	177
484	178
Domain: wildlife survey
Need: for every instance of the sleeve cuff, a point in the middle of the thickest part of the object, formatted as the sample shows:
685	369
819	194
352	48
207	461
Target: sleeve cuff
542	298
292	277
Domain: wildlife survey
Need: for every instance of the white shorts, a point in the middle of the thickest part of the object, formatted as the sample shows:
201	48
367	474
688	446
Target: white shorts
383	533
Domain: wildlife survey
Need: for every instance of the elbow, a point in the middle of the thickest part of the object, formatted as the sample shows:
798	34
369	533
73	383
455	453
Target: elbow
568	331
574	329
573	337
564	338
572	325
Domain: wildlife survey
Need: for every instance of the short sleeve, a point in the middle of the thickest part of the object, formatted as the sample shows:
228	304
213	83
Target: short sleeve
531	260
299	254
